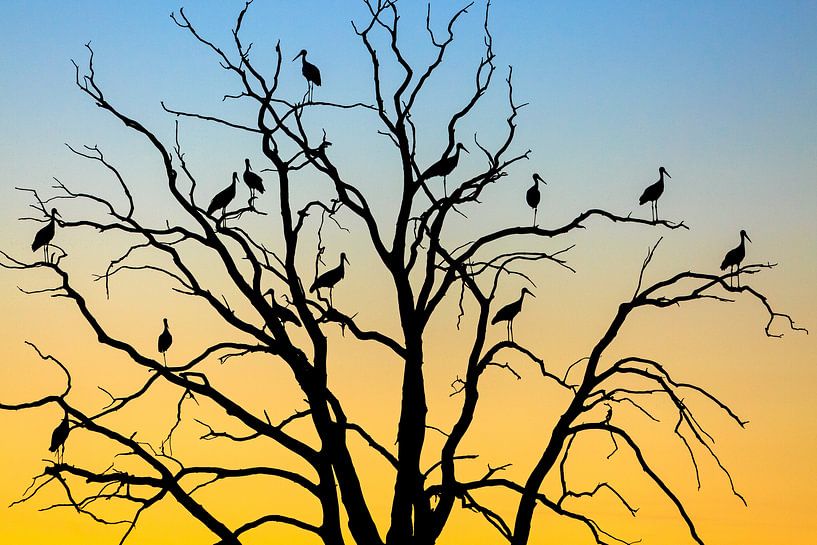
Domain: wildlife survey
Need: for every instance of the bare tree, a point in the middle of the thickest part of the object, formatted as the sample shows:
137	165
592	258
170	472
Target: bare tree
273	310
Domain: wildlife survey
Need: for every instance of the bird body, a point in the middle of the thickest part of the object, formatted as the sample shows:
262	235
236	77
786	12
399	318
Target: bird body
654	191
311	72
282	313
46	234
253	180
60	434
330	278
164	341
223	197
734	257
509	312
446	165
534	196
285	315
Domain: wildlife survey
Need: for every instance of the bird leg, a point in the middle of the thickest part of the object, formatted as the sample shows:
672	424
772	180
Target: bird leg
164	358
534	215
656	211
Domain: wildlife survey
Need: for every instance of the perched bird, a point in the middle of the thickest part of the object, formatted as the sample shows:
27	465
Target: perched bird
165	340
282	313
310	72
58	437
509	312
316	152
223	197
45	235
734	257
533	196
330	278
445	166
253	180
653	192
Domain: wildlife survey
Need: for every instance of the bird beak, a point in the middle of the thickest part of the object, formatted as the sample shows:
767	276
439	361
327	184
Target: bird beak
296	57
667	173
465	150
539	178
749	239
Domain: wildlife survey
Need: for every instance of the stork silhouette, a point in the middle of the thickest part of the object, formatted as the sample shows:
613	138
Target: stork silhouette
331	277
533	196
310	72
253	181
283	314
223	198
510	311
733	257
164	341
653	192
45	235
445	166
58	437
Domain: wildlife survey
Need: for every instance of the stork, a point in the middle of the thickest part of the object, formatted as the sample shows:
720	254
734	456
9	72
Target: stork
310	72
58	437
653	192
223	198
330	278
735	256
45	235
445	166
253	181
164	341
283	314
509	312
533	196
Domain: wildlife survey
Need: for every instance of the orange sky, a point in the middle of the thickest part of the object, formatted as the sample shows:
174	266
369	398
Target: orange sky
730	123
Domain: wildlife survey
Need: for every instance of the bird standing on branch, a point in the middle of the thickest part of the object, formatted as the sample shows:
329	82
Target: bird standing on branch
533	196
509	312
310	72
653	192
330	278
445	166
164	342
223	198
45	235
58	437
253	181
283	314
734	257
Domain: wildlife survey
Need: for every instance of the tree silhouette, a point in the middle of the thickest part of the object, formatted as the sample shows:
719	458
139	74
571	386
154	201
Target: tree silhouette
299	329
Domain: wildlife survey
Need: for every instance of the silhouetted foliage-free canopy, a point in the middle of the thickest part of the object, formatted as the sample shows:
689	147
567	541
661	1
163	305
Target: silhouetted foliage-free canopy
427	273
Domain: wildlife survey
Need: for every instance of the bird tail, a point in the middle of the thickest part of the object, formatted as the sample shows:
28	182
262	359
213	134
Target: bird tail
724	265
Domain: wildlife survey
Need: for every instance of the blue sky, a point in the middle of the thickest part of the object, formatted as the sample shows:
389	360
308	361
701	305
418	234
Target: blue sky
723	94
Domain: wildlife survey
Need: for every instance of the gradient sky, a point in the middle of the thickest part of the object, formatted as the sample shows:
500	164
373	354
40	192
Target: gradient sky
723	94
